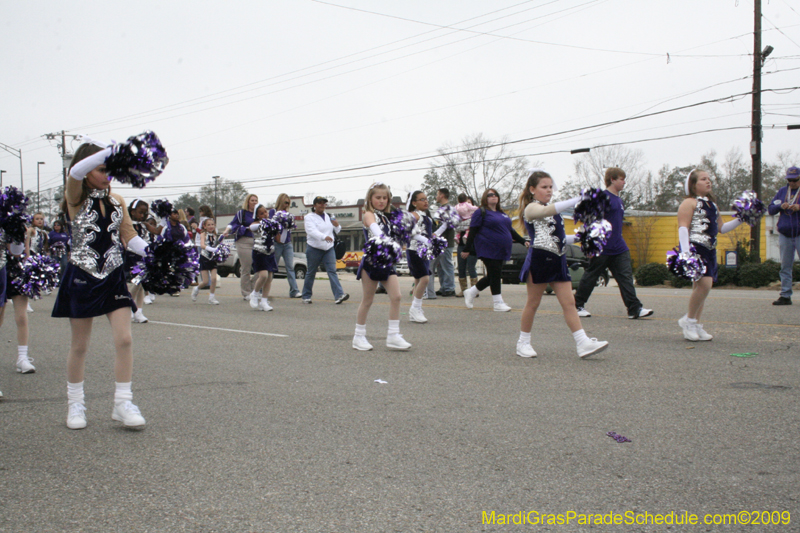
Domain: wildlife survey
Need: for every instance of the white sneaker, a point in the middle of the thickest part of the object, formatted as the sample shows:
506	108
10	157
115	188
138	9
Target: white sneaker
583	313
133	315
128	414
212	300
263	305
149	299
24	365
590	347
360	343
469	296
397	342
415	314
1	395
195	292
76	416
524	349
30	309
501	307
254	300
701	333
689	331
642	313
139	317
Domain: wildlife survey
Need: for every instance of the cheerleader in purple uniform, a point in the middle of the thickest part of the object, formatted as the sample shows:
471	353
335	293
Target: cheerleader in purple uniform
546	264
264	263
94	281
138	210
208	267
418	265
699	222
377	206
2	284
59	243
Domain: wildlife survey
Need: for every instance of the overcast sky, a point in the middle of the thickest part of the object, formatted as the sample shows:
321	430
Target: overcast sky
263	90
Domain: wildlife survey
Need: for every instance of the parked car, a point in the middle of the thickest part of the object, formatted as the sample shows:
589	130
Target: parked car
576	262
401	267
233	266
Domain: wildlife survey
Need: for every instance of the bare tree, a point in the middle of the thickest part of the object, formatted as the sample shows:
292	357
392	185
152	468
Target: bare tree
478	164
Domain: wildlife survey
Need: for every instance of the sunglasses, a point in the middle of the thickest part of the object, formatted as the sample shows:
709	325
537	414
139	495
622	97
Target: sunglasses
491	195
794	180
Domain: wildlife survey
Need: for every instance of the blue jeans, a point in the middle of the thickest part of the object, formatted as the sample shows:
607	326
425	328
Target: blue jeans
466	266
285	250
446	273
315	257
789	247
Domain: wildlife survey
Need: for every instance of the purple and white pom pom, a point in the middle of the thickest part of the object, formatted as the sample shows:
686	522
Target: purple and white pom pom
222	253
447	214
162	208
39	274
401	224
58	249
168	267
13	219
593	206
593	237
749	208
382	251
435	247
137	161
686	265
270	226
286	220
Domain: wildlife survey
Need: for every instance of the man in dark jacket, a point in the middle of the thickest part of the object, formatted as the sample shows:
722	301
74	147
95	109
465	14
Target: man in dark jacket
786	203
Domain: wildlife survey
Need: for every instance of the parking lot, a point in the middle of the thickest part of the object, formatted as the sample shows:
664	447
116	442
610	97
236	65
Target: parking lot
272	422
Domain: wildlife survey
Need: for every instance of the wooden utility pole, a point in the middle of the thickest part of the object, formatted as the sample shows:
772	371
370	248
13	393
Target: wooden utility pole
755	143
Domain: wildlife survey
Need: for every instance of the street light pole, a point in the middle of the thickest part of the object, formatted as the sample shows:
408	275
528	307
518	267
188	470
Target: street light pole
1	177
16	152
216	180
38	165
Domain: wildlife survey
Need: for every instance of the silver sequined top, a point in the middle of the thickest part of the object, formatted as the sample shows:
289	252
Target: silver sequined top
699	229
37	241
544	237
258	243
420	228
86	231
211	238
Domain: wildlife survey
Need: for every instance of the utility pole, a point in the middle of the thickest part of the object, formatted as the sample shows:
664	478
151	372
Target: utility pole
38	166
62	146
17	152
756	132
216	180
1	177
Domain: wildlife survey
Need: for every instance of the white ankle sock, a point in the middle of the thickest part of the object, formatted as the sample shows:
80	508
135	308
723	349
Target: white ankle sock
123	392
691	320
264	301
361	330
524	337
580	336
22	352
497	298
210	295
416	303
75	392
394	327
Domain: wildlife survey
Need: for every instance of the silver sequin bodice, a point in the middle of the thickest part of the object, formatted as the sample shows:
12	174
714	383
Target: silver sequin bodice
703	230
543	233
90	241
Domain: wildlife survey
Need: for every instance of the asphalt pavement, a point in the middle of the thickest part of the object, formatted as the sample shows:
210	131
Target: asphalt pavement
272	422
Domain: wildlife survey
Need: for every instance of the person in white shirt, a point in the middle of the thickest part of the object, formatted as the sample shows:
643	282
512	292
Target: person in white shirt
320	232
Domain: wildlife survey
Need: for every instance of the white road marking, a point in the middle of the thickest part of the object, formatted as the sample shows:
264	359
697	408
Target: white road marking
219	329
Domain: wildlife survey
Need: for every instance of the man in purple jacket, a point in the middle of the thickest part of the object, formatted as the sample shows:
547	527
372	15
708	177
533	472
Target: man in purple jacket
786	203
615	255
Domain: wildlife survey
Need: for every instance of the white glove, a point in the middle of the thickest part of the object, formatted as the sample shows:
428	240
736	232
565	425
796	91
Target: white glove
566	204
683	237
254	226
570	239
421	238
211	249
730	225
138	246
441	229
84	166
376	230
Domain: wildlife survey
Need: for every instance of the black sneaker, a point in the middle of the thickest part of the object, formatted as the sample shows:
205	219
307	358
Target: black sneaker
380	290
439	293
782	301
448	294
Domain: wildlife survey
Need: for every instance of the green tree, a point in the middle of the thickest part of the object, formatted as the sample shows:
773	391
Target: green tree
188	200
229	196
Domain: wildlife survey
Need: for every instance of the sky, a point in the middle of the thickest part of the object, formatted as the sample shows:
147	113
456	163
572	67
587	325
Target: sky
299	96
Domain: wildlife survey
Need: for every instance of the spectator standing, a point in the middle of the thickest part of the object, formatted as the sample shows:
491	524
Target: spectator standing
465	208
787	203
444	262
240	228
615	255
284	247
320	230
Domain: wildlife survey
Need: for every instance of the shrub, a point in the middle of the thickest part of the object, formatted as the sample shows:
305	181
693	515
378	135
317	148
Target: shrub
726	276
758	274
652	274
679	282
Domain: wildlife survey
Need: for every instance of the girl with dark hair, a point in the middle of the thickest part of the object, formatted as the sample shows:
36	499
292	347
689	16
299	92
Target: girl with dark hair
16	253
699	222
546	263
138	210
94	281
490	236
377	207
264	263
417	265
